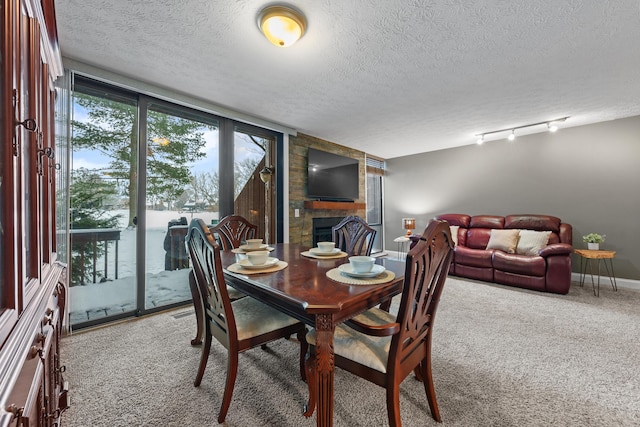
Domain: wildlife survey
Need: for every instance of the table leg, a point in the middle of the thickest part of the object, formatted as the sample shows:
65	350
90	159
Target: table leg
598	277
325	369
593	282
612	276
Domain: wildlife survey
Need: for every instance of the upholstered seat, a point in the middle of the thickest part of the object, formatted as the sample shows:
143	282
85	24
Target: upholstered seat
366	350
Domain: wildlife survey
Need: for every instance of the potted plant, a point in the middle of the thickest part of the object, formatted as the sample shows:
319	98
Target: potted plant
593	240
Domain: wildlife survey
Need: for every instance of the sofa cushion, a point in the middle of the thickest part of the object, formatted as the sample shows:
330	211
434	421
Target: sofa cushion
531	242
504	240
477	238
533	222
473	257
519	264
461	220
487	221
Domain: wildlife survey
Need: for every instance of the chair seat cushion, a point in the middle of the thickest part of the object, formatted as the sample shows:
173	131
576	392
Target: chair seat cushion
254	318
364	349
520	264
235	294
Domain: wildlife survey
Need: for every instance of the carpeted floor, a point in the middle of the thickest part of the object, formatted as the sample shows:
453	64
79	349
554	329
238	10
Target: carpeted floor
502	356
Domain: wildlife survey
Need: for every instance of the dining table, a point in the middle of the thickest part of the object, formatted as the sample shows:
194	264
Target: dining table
308	289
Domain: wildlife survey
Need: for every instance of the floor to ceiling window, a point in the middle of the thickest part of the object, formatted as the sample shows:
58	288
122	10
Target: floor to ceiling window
141	170
375	174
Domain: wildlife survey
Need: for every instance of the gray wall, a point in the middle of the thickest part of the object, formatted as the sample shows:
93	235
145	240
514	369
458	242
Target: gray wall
588	176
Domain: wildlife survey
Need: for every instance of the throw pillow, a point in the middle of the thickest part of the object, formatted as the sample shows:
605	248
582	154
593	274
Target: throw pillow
531	242
504	240
454	233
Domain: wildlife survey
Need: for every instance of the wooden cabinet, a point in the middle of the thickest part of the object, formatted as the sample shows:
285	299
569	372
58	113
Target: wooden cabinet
33	283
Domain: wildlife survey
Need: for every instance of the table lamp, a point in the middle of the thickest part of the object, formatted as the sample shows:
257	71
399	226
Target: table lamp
408	224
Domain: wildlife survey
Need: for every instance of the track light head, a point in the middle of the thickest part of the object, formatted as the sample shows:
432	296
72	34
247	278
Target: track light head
512	136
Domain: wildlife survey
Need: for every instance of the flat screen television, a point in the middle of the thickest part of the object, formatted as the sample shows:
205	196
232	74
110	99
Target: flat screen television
332	177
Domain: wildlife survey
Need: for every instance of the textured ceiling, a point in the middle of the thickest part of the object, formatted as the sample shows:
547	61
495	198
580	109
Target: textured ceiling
389	77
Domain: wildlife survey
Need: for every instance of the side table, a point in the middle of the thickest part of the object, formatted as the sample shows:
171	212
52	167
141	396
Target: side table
402	248
586	256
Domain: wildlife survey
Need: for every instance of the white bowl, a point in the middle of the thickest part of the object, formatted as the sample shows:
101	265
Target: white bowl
361	264
258	257
254	243
326	246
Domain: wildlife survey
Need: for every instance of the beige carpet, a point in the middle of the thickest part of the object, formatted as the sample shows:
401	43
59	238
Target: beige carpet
502	357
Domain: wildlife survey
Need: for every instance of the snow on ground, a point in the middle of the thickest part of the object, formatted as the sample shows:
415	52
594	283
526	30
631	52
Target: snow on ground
116	296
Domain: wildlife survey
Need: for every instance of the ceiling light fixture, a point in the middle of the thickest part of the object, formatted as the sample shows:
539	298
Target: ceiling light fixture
281	25
551	125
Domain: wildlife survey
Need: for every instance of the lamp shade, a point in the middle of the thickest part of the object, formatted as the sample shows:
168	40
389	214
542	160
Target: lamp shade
408	224
281	25
265	174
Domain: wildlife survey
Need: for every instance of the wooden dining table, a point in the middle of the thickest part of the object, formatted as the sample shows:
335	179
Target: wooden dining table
303	290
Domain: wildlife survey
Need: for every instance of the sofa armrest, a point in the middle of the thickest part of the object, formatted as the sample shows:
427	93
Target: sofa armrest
556	249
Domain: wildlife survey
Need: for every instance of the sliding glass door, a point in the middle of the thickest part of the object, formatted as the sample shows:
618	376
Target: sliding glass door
182	183
142	169
103	204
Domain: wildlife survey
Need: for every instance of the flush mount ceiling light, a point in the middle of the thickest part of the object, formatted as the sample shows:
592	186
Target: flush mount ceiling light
552	125
281	25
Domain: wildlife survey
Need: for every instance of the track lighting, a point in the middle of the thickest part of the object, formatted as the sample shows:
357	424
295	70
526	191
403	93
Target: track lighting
551	125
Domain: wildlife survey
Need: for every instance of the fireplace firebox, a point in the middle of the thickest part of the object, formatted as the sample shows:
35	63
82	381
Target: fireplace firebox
321	229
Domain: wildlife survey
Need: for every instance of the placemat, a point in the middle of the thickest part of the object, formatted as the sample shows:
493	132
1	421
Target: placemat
384	277
237	268
310	255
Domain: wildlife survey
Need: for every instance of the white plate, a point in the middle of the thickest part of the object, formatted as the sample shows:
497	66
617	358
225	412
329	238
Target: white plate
348	270
242	251
244	263
317	251
246	248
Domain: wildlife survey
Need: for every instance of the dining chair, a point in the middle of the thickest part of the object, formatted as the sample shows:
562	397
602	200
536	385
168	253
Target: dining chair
233	230
384	348
230	233
353	236
238	325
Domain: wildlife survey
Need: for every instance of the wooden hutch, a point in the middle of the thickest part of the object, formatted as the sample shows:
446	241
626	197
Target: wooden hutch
33	283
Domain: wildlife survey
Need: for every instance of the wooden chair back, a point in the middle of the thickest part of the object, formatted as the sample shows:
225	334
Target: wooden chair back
426	271
209	277
353	236
232	230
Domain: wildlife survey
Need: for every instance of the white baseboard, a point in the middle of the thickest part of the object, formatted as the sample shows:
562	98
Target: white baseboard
604	281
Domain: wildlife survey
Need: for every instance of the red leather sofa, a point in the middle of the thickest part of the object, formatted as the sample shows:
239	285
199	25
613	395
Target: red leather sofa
546	268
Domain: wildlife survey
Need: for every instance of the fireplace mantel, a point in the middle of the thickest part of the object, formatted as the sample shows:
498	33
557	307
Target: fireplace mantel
319	204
